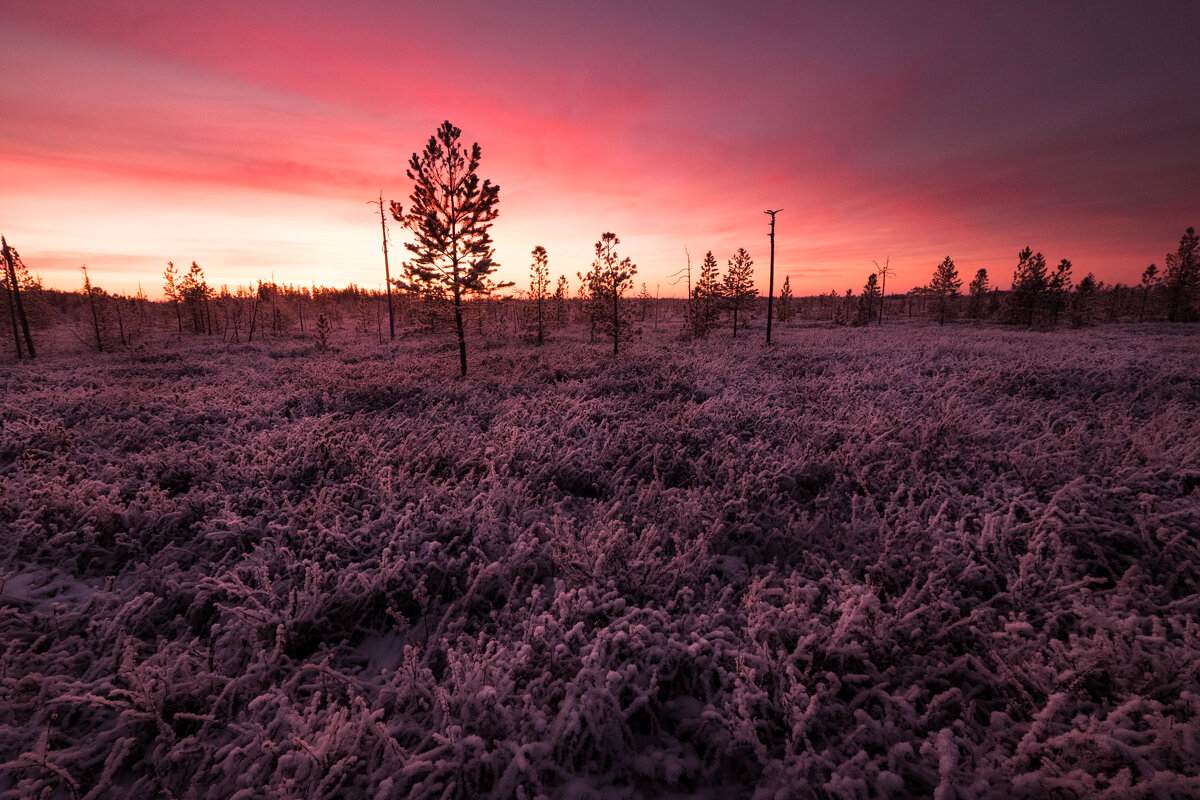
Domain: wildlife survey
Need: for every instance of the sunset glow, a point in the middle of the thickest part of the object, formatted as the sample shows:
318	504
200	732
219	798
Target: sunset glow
251	137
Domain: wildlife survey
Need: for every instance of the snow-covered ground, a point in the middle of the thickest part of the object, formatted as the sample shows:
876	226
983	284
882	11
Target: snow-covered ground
885	562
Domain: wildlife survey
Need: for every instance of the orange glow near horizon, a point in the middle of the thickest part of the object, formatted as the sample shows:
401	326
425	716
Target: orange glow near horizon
252	141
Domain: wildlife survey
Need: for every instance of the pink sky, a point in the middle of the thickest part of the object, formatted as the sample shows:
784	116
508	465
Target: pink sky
250	137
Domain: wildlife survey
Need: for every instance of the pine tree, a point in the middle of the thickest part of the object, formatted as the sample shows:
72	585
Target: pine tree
1081	301
539	285
1150	281
449	214
738	286
94	296
194	291
562	293
868	301
978	294
1029	286
784	309
1181	281
1058	289
612	276
706	298
944	288
171	290
14	275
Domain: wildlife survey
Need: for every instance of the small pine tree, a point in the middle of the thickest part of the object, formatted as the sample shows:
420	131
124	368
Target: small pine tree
944	288
738	286
1181	281
95	297
1150	281
1029	286
322	332
172	292
868	301
784	312
1081	301
1058	289
539	284
704	311
562	293
612	276
977	293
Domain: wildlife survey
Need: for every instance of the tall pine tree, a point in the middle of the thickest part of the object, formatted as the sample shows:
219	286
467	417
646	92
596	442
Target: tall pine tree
449	214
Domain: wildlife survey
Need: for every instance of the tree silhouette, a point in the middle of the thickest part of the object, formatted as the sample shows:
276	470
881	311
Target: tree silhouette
883	271
868	301
706	297
92	293
978	294
739	283
611	277
1150	280
1028	285
944	288
14	270
449	214
171	290
1182	278
783	312
1081	301
539	285
1058	289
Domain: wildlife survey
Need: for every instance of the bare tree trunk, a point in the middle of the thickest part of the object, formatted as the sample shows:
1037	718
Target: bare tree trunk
87	285
14	288
12	307
616	317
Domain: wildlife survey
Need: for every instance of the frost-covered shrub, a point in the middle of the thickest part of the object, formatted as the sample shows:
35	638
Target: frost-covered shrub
849	566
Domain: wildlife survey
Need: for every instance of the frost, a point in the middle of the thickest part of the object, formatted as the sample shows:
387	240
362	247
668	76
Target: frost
852	565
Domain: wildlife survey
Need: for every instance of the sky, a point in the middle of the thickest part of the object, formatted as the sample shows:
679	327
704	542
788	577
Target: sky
250	136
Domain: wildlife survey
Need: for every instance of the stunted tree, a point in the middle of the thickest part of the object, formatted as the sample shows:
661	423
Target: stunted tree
783	312
194	291
1029	286
1181	281
539	285
94	297
738	285
1150	281
706	298
943	288
172	291
450	213
562	293
1058	289
14	275
612	276
1081	301
883	271
977	294
868	301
